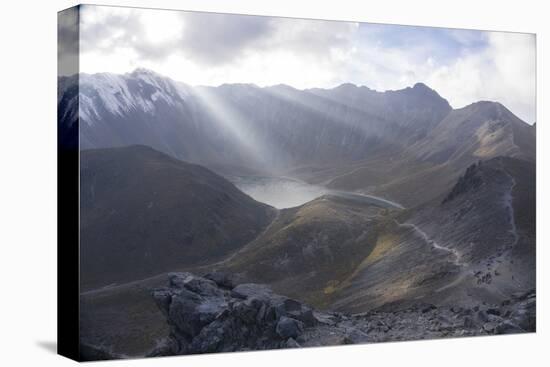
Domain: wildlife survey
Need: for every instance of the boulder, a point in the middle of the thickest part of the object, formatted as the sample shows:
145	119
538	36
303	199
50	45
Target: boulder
209	315
427	308
490	327
247	310
291	343
190	312
468	322
508	328
481	316
305	315
202	286
223	280
246	290
288	327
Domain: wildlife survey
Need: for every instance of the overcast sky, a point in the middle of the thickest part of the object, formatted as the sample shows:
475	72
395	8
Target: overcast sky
211	49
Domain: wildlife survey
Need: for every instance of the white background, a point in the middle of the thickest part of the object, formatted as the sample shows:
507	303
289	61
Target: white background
28	183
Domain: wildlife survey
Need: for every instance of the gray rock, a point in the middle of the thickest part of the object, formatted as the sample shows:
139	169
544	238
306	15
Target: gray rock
323	318
494	318
482	316
163	298
490	327
428	308
288	327
525	319
190	312
261	314
291	343
292	305
206	315
443	319
246	311
456	309
519	295
201	286
355	336
468	322
305	315
163	348
223	280
508	328
466	312
250	289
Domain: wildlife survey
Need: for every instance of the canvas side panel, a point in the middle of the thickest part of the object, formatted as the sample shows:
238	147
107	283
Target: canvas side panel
68	184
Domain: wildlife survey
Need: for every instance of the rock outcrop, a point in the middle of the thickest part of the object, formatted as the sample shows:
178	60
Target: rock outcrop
471	180
212	314
426	321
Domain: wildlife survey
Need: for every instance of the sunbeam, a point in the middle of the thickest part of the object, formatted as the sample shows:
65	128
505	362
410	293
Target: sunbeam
238	128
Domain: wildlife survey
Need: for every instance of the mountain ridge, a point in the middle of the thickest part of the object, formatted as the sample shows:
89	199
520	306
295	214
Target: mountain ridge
149	74
142	71
295	127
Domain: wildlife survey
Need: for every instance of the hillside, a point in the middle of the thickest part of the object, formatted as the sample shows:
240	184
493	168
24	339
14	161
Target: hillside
144	213
472	246
475	245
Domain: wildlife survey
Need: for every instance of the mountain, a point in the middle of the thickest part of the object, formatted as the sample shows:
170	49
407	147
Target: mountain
241	124
476	245
68	111
308	248
459	235
398	270
348	137
418	108
119	110
144	213
232	125
481	130
428	168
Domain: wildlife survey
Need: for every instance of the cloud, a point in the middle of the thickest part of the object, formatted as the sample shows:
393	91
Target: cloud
464	66
149	34
504	71
153	35
218	39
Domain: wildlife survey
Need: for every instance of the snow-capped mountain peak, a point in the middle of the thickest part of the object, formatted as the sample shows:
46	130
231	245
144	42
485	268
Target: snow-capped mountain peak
139	91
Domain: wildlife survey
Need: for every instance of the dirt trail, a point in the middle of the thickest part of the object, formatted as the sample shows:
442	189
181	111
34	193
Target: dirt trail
509	204
431	242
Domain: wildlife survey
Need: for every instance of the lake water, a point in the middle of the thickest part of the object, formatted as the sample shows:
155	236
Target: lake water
284	192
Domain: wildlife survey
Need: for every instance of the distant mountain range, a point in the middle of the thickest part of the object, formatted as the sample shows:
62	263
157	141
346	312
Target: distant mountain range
348	137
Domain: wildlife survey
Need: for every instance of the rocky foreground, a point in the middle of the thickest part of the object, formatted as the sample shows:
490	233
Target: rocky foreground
212	314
